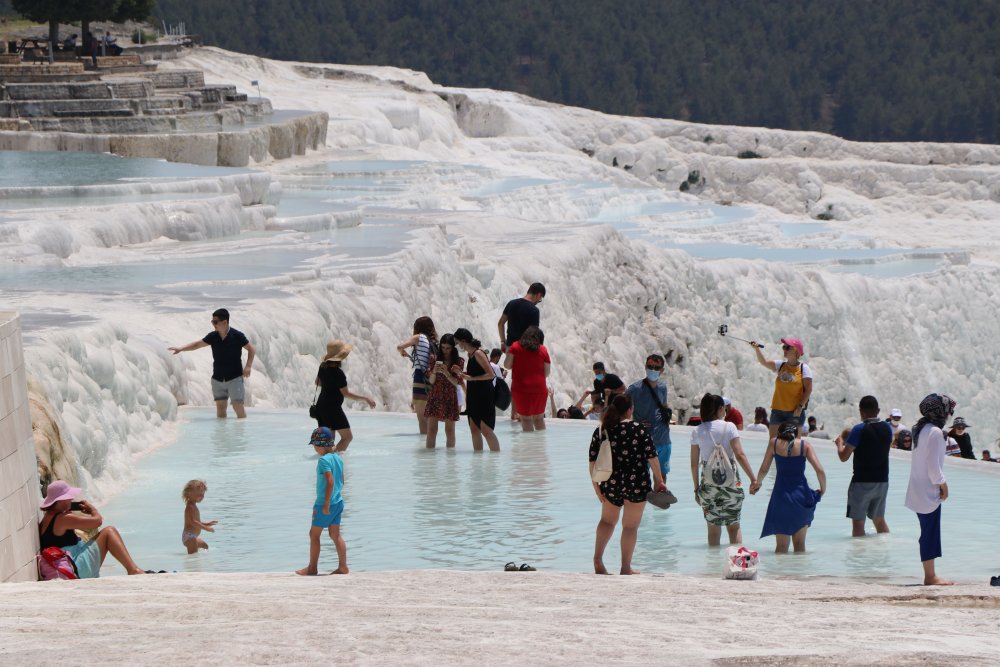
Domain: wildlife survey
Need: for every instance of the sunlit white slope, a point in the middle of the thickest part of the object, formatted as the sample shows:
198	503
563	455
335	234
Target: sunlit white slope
609	298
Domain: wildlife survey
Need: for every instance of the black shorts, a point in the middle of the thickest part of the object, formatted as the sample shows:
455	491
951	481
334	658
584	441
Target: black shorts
333	418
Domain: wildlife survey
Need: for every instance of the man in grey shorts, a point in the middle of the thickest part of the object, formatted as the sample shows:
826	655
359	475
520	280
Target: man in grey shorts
228	370
869	443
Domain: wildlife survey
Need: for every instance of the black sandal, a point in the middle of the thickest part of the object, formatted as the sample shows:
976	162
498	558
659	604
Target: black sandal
510	567
525	568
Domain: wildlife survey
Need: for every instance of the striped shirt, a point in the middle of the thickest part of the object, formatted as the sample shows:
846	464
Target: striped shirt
421	355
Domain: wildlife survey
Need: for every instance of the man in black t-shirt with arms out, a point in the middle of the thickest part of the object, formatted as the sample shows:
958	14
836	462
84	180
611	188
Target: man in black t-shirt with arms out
869	442
519	314
228	370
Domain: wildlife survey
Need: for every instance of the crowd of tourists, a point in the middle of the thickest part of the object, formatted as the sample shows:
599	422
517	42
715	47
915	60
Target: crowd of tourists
631	445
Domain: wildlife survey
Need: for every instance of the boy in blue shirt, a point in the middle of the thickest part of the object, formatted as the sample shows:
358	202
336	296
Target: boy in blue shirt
329	505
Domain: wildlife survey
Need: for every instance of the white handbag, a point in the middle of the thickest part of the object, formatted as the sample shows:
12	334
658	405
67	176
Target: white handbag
603	466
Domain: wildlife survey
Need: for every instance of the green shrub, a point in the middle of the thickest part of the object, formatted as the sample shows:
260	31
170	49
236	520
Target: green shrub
748	155
694	176
147	37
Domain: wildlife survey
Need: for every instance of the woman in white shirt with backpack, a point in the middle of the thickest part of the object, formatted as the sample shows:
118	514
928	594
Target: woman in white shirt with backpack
715	445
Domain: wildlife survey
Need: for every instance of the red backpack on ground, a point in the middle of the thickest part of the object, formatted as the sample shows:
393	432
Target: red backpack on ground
54	563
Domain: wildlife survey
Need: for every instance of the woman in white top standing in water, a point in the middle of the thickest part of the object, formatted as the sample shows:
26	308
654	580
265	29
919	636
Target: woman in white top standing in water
721	504
927	488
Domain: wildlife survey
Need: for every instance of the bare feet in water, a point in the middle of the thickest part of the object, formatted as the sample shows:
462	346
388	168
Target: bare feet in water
938	581
306	572
629	571
341	570
599	567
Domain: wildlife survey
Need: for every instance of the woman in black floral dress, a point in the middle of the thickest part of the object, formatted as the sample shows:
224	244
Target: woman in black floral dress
633	456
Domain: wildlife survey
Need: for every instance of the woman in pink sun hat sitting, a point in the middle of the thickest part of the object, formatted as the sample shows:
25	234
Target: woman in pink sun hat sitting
63	517
792	386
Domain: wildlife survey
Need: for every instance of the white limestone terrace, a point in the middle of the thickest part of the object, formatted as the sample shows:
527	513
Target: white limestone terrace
135	110
491	191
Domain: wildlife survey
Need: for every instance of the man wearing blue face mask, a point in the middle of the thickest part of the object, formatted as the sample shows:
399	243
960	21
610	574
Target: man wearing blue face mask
599	377
605	384
597	394
649	408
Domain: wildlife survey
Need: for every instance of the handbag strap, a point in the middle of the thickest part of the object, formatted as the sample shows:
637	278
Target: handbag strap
316	394
488	364
653	393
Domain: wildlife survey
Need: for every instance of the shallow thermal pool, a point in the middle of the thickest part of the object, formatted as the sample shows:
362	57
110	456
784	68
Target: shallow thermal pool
19	169
409	508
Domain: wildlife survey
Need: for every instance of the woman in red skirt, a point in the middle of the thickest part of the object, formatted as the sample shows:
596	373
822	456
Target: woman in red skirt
529	362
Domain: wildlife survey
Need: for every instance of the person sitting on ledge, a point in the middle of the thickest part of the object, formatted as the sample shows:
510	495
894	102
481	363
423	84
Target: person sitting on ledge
111	47
63	517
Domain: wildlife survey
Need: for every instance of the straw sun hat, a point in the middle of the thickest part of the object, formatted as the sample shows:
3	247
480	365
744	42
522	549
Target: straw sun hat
337	350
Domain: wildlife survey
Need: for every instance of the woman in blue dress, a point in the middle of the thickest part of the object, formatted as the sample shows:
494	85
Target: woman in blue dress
793	504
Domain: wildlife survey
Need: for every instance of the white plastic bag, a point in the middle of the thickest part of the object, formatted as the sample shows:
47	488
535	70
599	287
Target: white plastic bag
741	563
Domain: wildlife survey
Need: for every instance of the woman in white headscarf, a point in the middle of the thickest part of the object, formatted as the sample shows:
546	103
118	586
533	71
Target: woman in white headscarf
928	488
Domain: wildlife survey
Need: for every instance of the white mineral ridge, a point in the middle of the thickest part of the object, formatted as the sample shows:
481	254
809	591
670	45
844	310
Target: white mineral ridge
609	297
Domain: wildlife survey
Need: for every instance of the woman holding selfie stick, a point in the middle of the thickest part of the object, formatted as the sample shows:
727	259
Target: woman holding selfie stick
63	517
792	387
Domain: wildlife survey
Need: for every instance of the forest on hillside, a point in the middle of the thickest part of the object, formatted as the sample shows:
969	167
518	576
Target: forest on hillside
886	70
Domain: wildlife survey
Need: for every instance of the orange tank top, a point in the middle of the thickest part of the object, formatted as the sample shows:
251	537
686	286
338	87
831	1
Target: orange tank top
788	388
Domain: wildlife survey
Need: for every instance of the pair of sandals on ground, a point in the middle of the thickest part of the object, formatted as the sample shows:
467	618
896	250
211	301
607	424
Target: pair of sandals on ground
661	499
513	567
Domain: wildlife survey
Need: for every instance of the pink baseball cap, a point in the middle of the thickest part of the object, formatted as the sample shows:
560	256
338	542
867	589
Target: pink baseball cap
59	490
794	342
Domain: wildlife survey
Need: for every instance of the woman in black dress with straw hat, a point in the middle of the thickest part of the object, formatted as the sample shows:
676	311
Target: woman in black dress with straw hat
333	390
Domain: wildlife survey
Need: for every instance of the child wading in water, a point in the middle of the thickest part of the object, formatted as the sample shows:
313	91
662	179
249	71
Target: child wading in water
194	493
329	505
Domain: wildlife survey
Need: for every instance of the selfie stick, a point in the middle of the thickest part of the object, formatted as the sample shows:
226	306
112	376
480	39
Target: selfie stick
724	330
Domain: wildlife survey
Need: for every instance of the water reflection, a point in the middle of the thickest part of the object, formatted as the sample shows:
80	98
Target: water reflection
407	507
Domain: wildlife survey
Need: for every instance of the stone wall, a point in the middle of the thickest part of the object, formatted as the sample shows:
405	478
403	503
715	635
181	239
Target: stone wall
19	489
148	52
40	69
177	78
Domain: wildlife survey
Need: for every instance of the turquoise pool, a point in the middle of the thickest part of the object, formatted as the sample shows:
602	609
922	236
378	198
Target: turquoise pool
411	508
